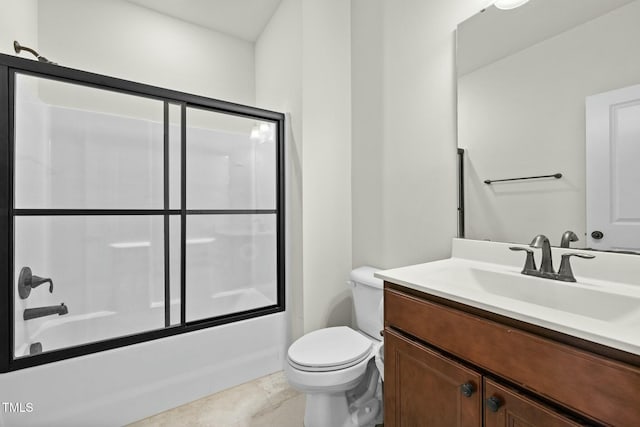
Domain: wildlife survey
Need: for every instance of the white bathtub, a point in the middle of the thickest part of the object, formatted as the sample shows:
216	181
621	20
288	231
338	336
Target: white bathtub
119	386
56	332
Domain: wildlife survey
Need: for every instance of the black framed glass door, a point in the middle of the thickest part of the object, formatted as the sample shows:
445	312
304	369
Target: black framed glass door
133	212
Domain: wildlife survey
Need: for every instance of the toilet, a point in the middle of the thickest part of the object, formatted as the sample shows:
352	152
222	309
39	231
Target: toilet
336	367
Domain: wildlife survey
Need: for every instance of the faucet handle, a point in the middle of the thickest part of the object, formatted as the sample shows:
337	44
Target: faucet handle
566	273
27	281
530	262
37	281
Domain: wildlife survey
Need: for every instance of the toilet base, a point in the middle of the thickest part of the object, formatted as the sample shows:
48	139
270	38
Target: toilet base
331	410
359	407
324	409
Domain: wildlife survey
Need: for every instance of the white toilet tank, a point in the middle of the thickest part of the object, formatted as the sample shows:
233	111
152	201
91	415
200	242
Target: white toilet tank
367	300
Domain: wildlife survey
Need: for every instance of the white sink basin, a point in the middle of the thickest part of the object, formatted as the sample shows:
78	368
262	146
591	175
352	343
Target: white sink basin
603	306
584	299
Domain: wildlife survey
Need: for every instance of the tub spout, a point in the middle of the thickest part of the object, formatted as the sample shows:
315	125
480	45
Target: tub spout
34	313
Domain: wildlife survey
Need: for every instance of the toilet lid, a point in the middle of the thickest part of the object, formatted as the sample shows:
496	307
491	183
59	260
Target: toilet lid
329	349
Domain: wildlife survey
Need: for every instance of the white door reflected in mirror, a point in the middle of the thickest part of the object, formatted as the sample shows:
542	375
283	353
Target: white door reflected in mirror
613	147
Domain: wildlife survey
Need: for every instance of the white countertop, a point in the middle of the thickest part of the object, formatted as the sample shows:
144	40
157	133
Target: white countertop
606	311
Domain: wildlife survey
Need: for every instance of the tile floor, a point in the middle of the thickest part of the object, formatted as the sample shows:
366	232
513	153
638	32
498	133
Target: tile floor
264	402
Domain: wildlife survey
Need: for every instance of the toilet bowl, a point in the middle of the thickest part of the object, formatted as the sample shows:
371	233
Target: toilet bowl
328	360
336	366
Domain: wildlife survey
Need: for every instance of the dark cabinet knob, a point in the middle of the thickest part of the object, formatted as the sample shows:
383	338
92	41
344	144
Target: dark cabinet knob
467	389
597	234
494	403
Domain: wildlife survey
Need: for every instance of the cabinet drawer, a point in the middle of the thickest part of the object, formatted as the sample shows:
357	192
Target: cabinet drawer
599	388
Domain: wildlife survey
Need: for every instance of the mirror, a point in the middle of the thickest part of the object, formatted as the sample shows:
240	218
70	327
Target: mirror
552	87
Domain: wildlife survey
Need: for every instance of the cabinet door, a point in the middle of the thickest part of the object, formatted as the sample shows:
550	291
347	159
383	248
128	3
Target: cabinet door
505	407
423	388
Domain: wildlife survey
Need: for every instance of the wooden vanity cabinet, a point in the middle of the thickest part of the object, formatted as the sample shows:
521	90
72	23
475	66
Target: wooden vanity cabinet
424	388
449	366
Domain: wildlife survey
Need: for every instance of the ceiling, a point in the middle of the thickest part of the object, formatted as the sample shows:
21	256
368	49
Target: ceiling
244	19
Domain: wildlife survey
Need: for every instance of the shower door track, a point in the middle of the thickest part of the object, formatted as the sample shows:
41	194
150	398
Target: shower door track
9	66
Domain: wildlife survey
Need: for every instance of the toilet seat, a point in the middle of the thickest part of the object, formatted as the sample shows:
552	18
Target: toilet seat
329	349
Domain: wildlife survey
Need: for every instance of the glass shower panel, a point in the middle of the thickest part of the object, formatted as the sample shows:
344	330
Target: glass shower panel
231	161
78	147
231	264
108	271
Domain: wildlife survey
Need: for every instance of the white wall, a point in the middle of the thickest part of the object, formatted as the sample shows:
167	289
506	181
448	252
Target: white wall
278	62
417	133
524	115
403	162
303	66
367	156
18	21
124	40
326	109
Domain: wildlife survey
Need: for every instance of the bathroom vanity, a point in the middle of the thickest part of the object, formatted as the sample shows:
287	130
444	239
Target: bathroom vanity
458	355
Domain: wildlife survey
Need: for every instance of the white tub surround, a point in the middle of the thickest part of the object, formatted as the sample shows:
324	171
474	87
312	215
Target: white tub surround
602	306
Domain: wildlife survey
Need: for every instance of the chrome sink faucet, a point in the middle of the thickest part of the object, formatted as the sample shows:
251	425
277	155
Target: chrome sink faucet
546	265
546	270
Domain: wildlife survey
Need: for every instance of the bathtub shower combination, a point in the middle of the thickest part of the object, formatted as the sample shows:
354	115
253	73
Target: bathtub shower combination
131	213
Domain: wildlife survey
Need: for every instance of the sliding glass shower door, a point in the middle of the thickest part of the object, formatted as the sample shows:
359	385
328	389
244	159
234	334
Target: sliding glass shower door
88	201
231	222
136	213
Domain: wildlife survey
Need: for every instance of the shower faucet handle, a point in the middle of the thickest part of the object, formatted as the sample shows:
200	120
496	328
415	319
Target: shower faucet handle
27	281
